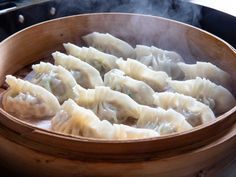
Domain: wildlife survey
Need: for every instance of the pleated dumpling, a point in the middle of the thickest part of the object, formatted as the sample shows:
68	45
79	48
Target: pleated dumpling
218	98
108	104
206	70
160	60
142	51
84	74
157	80
171	68
26	100
103	62
139	91
107	43
162	121
195	112
75	120
55	79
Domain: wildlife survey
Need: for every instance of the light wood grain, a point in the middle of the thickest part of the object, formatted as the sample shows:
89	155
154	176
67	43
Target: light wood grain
181	154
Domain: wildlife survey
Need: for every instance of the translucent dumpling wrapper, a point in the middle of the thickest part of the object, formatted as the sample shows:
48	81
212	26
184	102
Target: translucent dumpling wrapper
195	112
157	80
218	98
75	120
142	51
206	70
55	79
84	74
108	104
26	100
107	43
139	91
167	65
103	62
162	121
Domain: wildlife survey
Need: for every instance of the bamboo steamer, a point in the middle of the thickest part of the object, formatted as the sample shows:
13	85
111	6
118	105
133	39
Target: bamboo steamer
205	150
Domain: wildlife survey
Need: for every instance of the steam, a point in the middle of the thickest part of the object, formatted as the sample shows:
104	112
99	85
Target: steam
138	31
180	10
173	9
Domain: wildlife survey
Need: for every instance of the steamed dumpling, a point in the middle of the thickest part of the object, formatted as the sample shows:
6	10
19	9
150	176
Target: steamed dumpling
109	44
158	64
162	121
206	70
218	98
75	120
55	79
84	74
108	104
160	60
103	62
157	80
142	51
139	91
195	112
26	100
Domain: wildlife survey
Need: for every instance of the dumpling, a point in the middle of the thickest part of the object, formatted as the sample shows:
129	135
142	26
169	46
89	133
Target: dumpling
109	44
162	121
84	74
55	79
108	104
157	80
139	91
142	51
160	60
75	120
26	100
103	62
206	70
195	112
218	98
167	65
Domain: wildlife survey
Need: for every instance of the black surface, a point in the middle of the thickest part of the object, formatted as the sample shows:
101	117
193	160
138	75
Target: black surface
220	24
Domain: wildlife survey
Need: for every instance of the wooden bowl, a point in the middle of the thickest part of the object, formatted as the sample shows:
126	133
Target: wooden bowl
37	152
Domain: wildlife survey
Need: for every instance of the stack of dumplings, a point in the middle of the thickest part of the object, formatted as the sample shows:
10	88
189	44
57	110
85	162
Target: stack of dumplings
110	90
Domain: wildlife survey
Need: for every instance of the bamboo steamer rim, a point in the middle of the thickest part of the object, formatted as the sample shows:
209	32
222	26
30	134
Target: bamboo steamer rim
160	144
